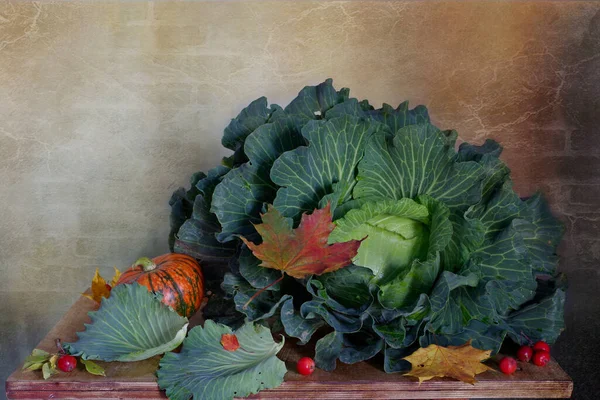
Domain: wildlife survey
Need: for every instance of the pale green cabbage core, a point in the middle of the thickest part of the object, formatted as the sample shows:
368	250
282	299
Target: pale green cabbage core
395	233
391	245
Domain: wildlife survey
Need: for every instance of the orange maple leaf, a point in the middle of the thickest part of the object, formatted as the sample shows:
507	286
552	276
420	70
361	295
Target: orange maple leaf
458	362
302	251
230	342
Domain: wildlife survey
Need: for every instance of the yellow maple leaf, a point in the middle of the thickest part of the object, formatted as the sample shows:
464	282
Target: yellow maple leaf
99	288
115	278
458	362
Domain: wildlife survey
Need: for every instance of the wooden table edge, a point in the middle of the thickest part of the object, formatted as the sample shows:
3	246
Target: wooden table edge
308	390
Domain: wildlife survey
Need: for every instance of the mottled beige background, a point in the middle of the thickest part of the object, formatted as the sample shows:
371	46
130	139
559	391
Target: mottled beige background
105	109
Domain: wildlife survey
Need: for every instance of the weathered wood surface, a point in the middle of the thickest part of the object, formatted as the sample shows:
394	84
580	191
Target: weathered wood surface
365	380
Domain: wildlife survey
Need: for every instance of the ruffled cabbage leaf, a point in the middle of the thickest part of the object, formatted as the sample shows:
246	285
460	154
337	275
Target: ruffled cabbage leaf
131	325
204	369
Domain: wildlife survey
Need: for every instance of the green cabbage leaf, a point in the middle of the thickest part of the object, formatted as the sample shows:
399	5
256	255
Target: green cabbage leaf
131	325
204	369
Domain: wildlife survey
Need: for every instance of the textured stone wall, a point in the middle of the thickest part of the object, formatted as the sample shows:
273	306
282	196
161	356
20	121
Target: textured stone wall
105	109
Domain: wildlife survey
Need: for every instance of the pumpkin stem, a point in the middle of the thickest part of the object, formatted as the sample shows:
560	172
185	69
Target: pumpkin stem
146	264
262	290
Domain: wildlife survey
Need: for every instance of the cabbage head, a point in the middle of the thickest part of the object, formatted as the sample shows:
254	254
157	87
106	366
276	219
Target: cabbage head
451	253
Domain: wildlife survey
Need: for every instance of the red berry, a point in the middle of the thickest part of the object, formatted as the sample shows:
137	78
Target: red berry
508	365
541	358
66	363
541	346
305	366
524	353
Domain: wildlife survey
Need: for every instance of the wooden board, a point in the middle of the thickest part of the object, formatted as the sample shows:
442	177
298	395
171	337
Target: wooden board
365	380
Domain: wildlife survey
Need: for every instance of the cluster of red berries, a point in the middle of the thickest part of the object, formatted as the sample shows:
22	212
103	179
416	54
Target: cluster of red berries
539	355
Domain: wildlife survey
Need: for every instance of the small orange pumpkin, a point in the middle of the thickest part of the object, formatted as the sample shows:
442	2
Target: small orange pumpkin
178	277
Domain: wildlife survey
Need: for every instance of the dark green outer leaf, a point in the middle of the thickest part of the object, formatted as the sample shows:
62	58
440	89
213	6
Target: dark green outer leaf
241	196
250	118
419	160
396	119
307	174
505	264
313	101
350	107
181	210
392	119
206	186
182	201
348	348
539	321
272	139
440	225
543	235
359	347
347	290
197	235
342	323
131	325
483	336
494	170
239	199
295	325
496	280
471	152
497	213
264	306
205	370
232	283
328	350
468	231
257	276
393	332
468	235
393	361
221	309
400	327
447	313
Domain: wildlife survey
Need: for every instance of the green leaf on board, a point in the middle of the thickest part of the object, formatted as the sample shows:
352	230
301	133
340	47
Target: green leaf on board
131	325
205	370
48	371
93	368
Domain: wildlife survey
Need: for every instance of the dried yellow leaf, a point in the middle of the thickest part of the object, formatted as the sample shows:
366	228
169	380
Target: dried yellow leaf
458	362
115	278
99	288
